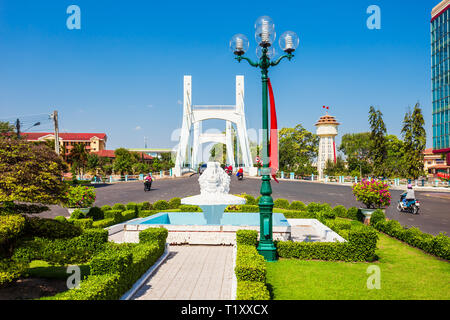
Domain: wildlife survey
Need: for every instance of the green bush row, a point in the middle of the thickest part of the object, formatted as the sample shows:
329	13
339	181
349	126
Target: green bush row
247	237
436	245
115	269
250	269
62	251
361	246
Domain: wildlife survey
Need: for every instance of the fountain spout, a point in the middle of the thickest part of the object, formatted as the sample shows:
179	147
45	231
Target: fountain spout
214	197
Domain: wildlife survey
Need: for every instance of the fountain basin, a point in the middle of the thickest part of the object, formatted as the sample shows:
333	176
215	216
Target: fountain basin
193	228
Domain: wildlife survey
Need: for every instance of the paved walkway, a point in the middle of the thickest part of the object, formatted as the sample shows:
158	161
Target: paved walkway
191	273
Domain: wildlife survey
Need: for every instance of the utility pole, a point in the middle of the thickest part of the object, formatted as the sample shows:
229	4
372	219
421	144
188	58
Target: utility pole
18	128
55	121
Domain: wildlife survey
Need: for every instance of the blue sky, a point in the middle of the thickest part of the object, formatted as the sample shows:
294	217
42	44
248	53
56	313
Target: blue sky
122	73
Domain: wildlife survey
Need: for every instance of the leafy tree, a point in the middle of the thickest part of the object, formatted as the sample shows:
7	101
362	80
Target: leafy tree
124	161
93	162
6	127
78	157
378	151
414	136
395	164
356	147
297	150
335	169
29	172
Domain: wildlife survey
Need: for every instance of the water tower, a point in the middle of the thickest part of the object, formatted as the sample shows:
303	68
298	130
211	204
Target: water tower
327	130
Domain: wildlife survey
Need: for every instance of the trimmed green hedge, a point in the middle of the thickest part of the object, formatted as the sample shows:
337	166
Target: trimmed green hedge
77	214
82	223
361	246
340	211
147	213
62	251
116	215
95	213
150	235
281	203
297	206
247	237
189	208
252	290
119	206
50	228
174	203
115	269
250	200
250	265
436	245
104	223
161	205
128	214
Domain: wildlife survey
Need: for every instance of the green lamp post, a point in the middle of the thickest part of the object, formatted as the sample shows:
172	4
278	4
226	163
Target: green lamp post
265	36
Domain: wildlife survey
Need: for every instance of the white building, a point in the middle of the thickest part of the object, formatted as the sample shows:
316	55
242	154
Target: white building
327	130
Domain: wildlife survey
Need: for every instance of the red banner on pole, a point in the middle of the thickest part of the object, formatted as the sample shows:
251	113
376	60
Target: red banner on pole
273	144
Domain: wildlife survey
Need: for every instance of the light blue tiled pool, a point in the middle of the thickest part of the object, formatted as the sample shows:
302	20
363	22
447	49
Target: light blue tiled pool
196	218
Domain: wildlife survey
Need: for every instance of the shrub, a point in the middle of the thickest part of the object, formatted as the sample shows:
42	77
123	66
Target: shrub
327	215
297	205
95	213
11	227
10	270
110	261
131	206
119	206
373	194
257	200
116	215
147	213
174	203
361	246
102	287
250	265
146	205
340	211
104	223
355	214
50	228
247	237
60	219
77	214
161	205
249	208
128	215
105	208
158	235
189	208
250	200
313	207
79	197
441	246
82	223
281	203
300	215
377	216
251	290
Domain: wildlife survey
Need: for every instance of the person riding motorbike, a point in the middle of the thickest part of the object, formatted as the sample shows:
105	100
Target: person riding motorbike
409	196
148	182
240	173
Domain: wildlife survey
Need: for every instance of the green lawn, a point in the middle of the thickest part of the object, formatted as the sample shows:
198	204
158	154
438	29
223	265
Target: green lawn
406	273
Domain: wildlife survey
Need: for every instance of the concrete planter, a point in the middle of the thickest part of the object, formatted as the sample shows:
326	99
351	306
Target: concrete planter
84	210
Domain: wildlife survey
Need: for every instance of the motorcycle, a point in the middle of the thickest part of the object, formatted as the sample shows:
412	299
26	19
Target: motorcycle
413	206
147	185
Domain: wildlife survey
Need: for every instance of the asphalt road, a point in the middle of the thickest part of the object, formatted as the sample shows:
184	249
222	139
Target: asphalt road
433	218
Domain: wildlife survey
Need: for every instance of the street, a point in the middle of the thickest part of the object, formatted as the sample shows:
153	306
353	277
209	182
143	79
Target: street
433	218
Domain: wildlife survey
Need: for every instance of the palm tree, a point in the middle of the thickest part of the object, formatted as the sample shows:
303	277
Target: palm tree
78	156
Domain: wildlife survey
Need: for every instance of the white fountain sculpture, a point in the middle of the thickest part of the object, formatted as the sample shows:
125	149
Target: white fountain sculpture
214	197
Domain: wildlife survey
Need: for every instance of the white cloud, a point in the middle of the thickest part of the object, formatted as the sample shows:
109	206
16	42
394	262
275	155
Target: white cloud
138	128
180	102
149	106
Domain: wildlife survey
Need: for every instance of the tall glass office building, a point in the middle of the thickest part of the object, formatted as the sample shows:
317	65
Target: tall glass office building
440	73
